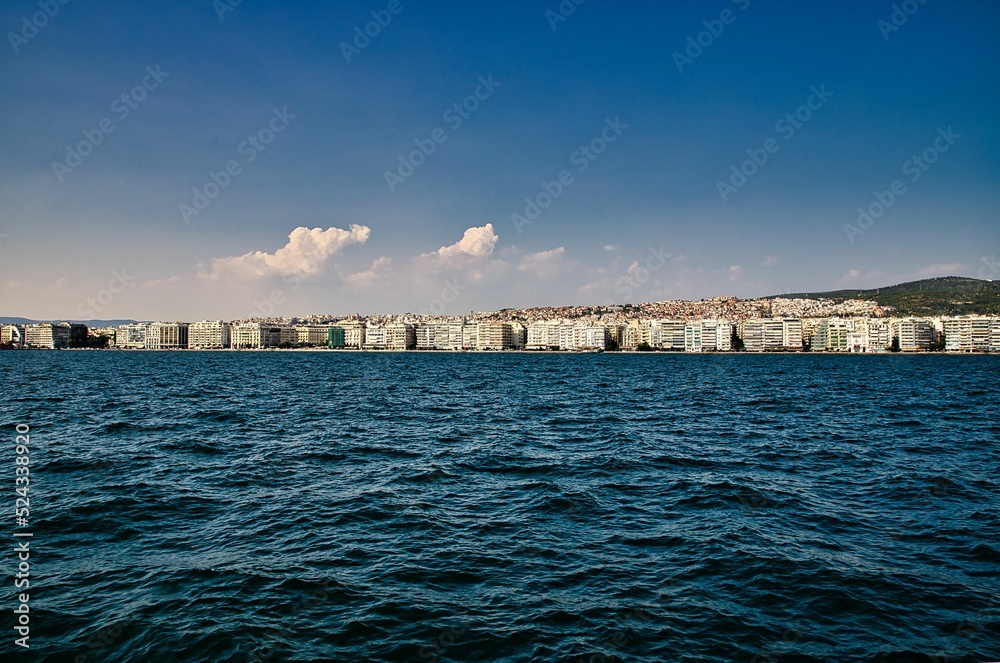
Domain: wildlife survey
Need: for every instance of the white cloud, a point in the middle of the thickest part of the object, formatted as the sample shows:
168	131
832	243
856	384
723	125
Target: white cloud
374	275
469	256
305	254
610	247
769	261
545	263
594	287
942	269
850	277
874	278
477	242
735	273
158	282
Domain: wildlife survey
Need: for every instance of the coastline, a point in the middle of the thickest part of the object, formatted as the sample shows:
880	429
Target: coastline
512	352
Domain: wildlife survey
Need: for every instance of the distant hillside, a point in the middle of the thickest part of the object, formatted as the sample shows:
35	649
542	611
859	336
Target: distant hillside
89	323
948	295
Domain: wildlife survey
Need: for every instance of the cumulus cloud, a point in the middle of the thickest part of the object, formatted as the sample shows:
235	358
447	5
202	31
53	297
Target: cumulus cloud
735	273
477	242
305	254
470	256
374	275
769	261
610	247
545	263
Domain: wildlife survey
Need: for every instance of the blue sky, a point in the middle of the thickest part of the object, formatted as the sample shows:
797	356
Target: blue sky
309	137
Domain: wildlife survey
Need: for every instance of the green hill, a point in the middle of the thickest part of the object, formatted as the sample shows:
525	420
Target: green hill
948	295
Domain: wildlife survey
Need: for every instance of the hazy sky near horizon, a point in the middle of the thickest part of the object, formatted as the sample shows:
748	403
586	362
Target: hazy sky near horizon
200	159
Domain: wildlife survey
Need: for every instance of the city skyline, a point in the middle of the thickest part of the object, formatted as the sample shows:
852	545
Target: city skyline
864	330
551	154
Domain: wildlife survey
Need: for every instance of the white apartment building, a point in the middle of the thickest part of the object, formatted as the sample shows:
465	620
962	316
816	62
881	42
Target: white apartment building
567	337
752	334
375	337
594	337
667	334
249	335
400	336
433	336
791	334
879	334
866	335
493	336
695	336
971	333
914	334
774	334
470	336
724	336
708	336
354	333
209	335
543	335
456	335
46	335
771	334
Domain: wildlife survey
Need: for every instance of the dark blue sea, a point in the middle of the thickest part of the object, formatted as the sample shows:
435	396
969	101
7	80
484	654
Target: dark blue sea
337	506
